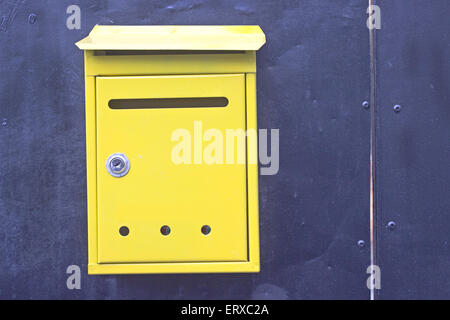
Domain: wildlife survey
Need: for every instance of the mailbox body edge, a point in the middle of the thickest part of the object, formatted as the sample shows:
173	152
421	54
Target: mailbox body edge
95	67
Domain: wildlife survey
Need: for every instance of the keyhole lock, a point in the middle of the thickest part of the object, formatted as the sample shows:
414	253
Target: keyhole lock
117	165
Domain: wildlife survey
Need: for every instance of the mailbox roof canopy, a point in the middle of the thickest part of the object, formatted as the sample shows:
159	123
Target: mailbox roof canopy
173	38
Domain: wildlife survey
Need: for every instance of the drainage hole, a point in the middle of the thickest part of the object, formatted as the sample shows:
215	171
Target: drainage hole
206	229
124	231
165	230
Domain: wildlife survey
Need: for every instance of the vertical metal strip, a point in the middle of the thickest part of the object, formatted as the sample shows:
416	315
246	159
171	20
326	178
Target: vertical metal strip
373	238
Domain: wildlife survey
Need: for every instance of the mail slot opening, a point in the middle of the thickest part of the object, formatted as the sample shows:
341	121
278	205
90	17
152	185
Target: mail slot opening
160	103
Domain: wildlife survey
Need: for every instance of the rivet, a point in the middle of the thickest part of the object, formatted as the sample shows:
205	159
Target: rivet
361	243
391	225
397	108
32	18
365	104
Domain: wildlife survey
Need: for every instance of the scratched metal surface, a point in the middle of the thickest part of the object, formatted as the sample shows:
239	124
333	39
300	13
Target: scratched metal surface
313	74
413	70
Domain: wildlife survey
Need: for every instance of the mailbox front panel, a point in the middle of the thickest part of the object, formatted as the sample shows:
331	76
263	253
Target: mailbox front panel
157	191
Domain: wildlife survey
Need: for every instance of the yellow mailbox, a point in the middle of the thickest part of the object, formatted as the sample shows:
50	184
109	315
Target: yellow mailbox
165	193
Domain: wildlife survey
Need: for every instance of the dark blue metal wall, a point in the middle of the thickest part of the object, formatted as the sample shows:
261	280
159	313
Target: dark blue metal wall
313	74
413	49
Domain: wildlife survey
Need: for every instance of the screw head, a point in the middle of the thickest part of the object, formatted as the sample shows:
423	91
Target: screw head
397	108
365	104
391	225
361	243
